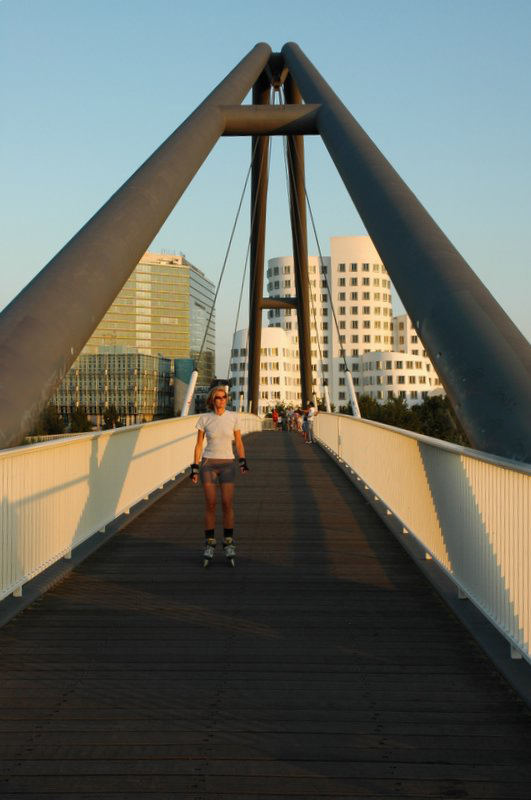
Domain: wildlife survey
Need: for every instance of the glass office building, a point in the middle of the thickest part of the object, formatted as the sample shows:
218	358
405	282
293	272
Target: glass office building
162	310
135	385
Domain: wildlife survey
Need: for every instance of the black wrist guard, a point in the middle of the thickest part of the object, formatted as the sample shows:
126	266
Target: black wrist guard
243	465
194	470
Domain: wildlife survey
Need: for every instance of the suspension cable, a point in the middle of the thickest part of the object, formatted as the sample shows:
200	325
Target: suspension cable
224	264
246	263
321	260
253	216
314	313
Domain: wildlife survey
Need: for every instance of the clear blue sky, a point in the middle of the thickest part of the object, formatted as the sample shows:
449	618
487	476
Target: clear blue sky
90	89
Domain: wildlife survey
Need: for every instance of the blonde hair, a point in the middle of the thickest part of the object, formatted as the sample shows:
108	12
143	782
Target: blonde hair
212	392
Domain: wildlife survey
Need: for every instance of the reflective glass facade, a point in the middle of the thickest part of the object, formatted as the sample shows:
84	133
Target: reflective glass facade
162	310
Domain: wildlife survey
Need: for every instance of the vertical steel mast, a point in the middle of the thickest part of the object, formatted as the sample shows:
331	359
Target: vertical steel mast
299	235
259	183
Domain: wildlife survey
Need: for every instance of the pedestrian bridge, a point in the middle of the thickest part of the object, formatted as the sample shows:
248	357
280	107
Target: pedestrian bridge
324	665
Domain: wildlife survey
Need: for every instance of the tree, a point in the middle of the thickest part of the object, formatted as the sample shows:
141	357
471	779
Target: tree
111	418
49	422
434	417
369	407
79	422
396	412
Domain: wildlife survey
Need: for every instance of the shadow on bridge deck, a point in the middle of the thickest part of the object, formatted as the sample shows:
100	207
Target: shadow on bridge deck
324	665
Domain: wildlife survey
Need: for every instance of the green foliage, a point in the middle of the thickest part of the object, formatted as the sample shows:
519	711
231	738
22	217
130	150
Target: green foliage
433	417
49	422
111	418
79	422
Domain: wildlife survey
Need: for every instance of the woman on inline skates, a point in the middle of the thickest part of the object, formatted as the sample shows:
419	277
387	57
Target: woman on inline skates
220	427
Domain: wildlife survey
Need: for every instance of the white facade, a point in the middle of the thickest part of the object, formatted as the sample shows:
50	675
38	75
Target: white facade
359	285
385	374
279	370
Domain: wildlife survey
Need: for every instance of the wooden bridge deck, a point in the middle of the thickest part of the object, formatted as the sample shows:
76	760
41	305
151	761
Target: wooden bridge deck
322	666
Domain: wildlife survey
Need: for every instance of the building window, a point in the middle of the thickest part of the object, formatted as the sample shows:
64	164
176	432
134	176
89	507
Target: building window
365	267
342	324
341	267
341	295
353	281
353	267
354	296
342	282
366	281
341	381
366	310
287	284
366	296
342	310
341	395
366	339
399	365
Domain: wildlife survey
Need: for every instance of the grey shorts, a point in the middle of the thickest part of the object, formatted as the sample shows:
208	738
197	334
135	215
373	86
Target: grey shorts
218	469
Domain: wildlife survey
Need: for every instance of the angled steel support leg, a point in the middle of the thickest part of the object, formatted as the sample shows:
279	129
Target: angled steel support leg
300	246
43	330
482	358
259	182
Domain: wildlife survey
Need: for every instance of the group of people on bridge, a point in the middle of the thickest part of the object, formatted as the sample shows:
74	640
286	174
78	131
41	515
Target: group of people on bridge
296	419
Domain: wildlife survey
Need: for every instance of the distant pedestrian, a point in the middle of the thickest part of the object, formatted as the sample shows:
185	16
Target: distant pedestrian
310	417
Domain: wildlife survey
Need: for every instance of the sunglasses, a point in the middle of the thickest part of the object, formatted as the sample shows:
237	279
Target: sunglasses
220	397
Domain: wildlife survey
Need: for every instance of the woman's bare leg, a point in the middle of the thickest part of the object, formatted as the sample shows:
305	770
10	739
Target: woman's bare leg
227	498
210	505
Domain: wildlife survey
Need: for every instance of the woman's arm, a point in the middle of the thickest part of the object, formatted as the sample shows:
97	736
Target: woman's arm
239	444
198	449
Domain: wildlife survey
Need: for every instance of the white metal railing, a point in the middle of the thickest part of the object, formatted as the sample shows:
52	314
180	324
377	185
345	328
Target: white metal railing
57	494
470	511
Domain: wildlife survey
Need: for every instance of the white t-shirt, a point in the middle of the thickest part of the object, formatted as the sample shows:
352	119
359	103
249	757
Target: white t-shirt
219	431
311	414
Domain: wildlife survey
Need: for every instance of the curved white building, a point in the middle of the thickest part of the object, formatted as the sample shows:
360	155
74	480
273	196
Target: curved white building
279	370
355	281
